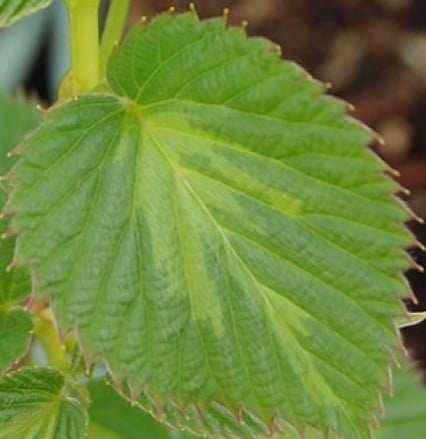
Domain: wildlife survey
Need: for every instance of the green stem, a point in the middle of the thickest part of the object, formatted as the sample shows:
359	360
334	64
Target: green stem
84	30
45	332
113	31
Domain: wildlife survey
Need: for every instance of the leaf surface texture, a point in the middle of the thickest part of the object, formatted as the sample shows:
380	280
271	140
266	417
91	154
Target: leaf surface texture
40	403
219	234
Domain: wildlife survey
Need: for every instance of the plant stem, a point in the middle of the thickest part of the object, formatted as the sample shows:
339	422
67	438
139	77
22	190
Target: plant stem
113	31
45	332
84	30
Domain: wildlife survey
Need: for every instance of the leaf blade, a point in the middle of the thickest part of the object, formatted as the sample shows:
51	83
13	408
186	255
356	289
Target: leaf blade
15	328
216	248
37	402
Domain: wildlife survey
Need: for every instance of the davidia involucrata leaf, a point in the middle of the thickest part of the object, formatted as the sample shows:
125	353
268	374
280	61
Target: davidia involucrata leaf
15	323
41	403
13	10
219	234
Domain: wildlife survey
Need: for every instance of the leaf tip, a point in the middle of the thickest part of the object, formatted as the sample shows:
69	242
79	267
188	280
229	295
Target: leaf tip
134	396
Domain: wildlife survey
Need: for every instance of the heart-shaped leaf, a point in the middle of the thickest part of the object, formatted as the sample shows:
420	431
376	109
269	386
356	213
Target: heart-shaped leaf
41	403
13	10
219	234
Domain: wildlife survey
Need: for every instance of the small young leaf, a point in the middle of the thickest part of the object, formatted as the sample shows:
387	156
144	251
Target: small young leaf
219	234
13	10
112	417
41	403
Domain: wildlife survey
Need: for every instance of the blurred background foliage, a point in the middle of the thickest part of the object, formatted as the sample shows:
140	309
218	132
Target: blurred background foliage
373	52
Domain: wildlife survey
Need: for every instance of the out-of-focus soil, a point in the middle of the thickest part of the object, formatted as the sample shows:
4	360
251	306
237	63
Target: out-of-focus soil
373	52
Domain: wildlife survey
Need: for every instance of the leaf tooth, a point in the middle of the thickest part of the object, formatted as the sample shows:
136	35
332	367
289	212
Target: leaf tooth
159	407
375	422
88	366
199	411
389	387
134	395
12	266
243	25
192	8
225	15
171	11
13	152
414	265
8	234
40	109
326	86
118	386
419	245
391	351
183	410
410	293
143	21
401	190
347	106
411	215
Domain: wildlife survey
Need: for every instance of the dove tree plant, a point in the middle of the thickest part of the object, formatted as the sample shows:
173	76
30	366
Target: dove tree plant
196	216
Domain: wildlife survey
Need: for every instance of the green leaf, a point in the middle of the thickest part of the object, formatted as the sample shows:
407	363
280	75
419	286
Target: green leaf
19	117
13	10
15	322
112	417
15	327
219	234
405	412
41	403
14	284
